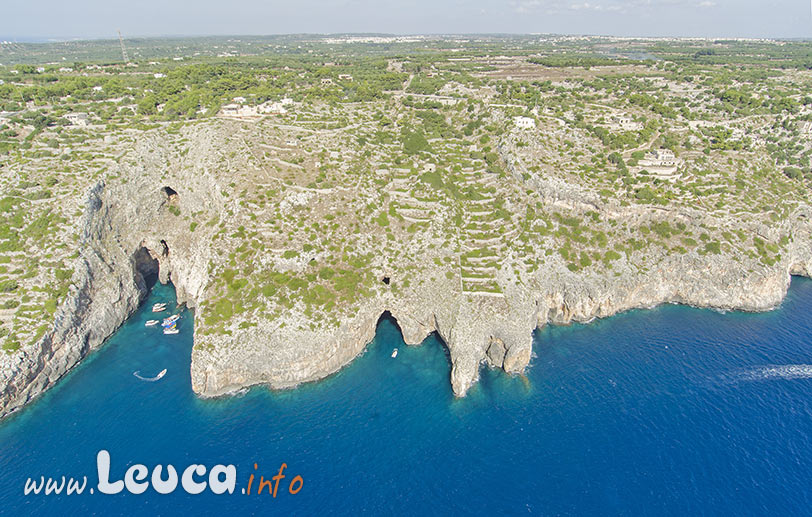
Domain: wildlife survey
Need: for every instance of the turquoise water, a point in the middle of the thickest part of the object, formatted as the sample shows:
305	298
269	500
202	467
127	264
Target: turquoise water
667	411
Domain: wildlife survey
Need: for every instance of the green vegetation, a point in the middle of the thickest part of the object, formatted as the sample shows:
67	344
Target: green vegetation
403	160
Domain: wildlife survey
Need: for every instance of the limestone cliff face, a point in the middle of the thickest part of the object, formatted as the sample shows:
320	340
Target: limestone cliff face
497	331
106	291
168	220
126	235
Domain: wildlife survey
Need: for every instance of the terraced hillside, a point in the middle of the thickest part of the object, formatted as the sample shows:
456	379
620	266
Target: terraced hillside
476	190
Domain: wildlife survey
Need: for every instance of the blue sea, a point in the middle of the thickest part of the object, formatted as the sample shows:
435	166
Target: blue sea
668	411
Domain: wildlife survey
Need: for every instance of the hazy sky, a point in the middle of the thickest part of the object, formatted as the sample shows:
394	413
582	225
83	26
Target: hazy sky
66	19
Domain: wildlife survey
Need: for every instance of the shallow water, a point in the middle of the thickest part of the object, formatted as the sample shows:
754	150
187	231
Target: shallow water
672	410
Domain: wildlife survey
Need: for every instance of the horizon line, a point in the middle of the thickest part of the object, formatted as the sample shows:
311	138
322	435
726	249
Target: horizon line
39	40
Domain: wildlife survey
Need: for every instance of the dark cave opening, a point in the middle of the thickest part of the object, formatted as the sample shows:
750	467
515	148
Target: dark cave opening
146	268
386	280
388	317
170	193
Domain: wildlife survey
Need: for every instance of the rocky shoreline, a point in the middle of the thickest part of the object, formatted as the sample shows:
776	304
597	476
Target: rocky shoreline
128	234
477	334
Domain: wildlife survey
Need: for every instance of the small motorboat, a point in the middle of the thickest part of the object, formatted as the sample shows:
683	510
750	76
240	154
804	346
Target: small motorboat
170	320
394	353
151	379
151	323
159	307
171	330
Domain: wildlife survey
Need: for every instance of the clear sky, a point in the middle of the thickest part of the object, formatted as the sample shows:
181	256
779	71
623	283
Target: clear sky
66	19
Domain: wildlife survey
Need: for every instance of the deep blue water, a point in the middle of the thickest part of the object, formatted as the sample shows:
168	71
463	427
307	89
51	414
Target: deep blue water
668	411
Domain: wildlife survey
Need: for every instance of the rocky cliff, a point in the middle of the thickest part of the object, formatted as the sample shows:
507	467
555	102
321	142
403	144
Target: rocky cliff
190	218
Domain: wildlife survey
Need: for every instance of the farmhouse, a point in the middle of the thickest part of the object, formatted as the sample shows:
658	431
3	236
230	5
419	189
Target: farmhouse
524	122
77	119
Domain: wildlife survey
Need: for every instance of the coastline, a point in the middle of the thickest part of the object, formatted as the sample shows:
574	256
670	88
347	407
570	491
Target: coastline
128	234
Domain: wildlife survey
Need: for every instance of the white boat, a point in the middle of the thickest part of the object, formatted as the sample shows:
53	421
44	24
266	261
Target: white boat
151	379
171	330
171	319
159	307
394	353
151	323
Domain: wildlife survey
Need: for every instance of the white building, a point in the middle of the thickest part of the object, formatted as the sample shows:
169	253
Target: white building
159	75
626	124
272	108
238	111
524	122
663	156
445	100
661	162
77	119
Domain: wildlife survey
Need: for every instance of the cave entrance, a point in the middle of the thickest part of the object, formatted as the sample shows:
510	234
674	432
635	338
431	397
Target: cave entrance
386	280
434	339
146	269
170	193
164	248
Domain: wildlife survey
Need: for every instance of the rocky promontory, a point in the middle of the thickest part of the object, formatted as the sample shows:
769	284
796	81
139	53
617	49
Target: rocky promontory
289	277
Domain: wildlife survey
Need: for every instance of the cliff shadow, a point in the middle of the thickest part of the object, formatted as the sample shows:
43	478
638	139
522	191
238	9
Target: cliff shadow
388	324
145	270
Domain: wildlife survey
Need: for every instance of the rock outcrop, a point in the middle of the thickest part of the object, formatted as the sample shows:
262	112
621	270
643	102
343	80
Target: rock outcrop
132	231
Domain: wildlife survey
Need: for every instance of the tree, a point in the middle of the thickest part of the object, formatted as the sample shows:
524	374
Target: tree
415	142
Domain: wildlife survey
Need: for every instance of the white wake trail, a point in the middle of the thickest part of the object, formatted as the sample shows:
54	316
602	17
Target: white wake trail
150	379
786	371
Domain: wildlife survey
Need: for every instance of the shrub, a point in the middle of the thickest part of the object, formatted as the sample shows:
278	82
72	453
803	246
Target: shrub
7	286
382	219
793	173
713	247
432	178
415	142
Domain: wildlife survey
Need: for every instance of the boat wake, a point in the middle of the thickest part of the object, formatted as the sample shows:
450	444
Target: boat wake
151	379
786	372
